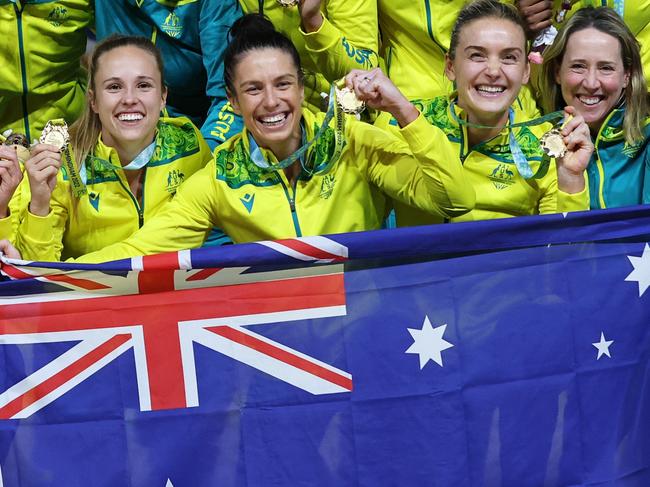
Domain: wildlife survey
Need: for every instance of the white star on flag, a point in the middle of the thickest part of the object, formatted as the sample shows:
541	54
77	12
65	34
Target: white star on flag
603	346
641	272
168	484
428	343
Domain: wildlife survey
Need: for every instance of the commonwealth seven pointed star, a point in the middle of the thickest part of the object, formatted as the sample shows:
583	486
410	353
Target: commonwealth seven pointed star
428	343
641	272
603	346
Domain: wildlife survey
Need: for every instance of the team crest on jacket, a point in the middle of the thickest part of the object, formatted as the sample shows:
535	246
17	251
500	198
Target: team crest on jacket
174	179
172	26
57	16
327	186
502	176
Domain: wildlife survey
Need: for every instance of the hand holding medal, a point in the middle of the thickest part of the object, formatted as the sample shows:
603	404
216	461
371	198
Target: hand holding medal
575	136
377	91
10	177
43	165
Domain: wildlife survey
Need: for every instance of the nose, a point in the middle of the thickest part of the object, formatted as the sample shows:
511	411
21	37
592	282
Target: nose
129	97
493	67
590	80
270	98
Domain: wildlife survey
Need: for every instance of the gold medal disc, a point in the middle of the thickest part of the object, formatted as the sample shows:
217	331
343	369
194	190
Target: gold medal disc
552	143
55	133
348	101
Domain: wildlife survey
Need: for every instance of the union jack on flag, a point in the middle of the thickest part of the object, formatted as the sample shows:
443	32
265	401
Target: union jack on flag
160	309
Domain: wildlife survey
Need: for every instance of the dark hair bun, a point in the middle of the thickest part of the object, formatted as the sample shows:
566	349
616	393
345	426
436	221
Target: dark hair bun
251	25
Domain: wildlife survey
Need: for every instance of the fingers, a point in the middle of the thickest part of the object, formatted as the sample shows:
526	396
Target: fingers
538	14
9	250
8	153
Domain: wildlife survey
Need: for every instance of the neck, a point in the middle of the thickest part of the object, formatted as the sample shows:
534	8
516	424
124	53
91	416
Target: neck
128	150
496	122
284	149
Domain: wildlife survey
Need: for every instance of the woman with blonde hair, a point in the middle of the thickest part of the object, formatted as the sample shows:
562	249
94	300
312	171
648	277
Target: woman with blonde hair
123	162
594	64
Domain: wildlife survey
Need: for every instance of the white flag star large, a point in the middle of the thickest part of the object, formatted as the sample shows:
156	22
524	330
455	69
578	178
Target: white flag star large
641	272
603	346
428	343
169	483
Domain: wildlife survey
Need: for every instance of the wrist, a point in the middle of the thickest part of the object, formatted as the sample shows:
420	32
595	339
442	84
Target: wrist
4	211
405	113
570	182
38	208
312	23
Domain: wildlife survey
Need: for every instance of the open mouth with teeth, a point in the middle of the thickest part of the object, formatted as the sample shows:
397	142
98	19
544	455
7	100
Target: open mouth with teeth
590	100
488	90
273	121
130	116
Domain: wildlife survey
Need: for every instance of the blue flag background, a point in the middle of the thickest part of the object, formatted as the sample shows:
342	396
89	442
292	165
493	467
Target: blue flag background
504	353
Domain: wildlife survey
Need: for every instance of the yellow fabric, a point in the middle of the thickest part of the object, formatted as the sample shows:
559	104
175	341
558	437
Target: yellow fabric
110	212
347	40
415	37
41	74
17	205
232	193
500	190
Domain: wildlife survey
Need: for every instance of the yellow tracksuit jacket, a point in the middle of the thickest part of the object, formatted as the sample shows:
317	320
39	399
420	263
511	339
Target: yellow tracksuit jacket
41	77
233	193
490	168
347	40
109	212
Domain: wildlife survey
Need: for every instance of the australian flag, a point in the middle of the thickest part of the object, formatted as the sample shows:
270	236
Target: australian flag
502	353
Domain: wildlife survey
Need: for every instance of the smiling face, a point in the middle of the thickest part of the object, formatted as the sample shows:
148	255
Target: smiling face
592	77
268	95
489	67
128	96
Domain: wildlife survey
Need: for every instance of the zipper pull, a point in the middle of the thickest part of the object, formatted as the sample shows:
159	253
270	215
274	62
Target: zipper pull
292	205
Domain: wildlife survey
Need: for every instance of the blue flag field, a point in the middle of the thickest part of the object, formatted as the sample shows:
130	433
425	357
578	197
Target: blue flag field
501	353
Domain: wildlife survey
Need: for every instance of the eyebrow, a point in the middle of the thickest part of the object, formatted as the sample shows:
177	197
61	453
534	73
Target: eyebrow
279	78
483	49
117	78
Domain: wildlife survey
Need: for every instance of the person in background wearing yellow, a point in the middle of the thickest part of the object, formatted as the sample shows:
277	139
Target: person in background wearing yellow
332	37
41	76
125	162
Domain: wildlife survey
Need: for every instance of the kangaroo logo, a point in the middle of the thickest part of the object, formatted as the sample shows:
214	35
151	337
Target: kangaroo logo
327	186
57	16
172	26
502	176
174	179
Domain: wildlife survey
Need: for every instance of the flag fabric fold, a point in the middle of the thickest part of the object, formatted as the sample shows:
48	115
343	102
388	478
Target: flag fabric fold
504	353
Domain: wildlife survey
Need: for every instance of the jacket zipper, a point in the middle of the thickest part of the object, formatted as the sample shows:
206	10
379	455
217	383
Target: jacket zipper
23	67
292	204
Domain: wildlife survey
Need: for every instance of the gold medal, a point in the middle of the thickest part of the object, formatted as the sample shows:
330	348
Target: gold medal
20	143
348	101
552	143
288	3
55	133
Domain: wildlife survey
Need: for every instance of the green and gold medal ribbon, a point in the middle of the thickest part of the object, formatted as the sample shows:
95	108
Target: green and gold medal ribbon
55	133
335	112
522	164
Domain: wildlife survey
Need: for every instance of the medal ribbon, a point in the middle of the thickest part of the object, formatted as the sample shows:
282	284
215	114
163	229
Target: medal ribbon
522	164
333	111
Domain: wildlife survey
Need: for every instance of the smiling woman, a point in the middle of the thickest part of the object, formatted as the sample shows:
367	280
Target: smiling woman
595	65
294	173
500	148
123	163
